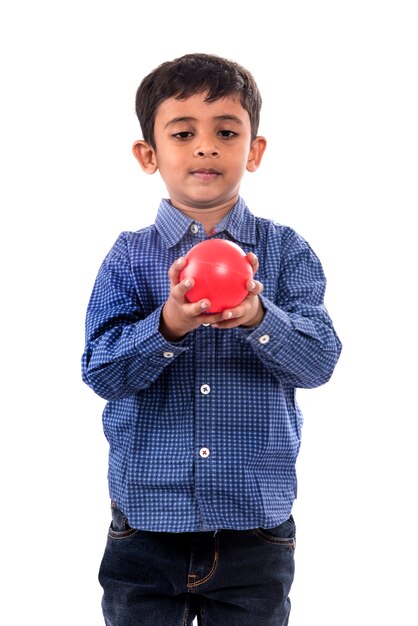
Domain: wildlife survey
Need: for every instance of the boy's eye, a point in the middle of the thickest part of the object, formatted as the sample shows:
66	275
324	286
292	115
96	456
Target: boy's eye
183	134
226	134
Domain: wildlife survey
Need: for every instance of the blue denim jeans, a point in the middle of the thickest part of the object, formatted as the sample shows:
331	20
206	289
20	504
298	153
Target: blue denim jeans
227	578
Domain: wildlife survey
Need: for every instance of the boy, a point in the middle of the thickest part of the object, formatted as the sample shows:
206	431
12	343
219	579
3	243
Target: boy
201	417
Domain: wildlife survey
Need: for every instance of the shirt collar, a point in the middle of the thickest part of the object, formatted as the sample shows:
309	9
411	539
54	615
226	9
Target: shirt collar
173	225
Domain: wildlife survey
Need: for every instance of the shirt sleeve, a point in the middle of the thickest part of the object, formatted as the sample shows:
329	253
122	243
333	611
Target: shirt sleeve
296	339
124	351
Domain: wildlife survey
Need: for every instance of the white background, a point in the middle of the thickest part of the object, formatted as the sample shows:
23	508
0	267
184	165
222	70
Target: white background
339	84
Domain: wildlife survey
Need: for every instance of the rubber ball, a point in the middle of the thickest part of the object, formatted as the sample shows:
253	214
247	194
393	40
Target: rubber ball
220	269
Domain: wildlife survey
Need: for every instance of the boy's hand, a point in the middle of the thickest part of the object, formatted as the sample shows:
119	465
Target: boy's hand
179	316
251	311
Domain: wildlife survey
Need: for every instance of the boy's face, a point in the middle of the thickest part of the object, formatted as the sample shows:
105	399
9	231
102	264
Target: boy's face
202	150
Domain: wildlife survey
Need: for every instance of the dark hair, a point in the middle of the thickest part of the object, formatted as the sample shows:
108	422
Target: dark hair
192	74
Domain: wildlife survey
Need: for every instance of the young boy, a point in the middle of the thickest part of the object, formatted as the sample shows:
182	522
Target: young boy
201	418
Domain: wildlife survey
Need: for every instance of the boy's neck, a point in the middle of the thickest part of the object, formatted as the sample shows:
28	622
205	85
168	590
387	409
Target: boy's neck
209	217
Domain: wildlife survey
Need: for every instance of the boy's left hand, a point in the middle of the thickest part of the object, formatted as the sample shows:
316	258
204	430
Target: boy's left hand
251	311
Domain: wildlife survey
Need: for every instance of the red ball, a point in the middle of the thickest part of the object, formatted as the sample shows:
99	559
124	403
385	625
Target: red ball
220	269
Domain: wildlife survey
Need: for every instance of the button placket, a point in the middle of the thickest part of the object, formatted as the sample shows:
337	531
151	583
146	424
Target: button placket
204	451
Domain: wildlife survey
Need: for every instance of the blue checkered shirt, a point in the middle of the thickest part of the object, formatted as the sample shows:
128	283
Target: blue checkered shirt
204	432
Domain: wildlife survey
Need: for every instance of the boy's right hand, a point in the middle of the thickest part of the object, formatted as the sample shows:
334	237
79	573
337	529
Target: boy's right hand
179	316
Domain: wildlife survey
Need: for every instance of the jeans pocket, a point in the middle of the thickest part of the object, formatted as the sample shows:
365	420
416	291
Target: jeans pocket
119	527
282	535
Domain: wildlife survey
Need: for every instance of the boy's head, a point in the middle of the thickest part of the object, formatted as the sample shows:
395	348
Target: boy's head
194	74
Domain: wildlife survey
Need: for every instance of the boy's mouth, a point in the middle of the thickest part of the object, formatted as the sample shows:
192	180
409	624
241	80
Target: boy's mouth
205	173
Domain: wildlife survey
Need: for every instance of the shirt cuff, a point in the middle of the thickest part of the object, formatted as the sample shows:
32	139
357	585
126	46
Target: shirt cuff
151	344
276	329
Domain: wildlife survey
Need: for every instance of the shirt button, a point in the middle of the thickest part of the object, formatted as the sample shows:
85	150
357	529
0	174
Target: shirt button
264	339
168	355
205	389
204	453
194	229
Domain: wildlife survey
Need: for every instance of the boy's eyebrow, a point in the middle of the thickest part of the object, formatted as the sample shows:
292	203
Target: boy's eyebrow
187	118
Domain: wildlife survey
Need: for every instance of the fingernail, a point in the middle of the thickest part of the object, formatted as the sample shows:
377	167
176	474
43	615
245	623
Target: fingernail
229	315
252	284
187	282
203	305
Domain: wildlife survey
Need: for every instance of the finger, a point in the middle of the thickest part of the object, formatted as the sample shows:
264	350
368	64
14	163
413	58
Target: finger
180	289
254	287
194	309
175	269
209	319
253	261
201	307
228	317
227	323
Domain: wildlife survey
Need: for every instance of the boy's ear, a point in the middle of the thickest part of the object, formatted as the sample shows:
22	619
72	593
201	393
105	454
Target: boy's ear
145	155
256	153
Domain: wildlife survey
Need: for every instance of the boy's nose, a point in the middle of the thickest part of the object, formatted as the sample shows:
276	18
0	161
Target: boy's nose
204	153
206	149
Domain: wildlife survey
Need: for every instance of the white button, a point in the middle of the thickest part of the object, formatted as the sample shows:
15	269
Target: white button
264	339
168	355
205	389
194	229
204	452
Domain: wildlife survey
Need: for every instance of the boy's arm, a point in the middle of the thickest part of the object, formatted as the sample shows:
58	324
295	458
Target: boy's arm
296	339
125	351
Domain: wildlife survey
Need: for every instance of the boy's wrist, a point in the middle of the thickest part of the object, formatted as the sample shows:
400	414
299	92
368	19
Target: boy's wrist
258	317
167	332
171	331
